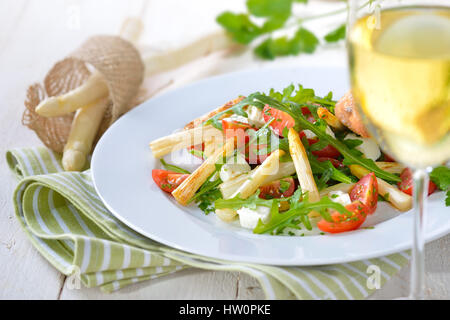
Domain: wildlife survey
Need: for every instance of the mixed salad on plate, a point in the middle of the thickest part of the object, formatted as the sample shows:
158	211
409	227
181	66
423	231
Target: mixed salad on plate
287	163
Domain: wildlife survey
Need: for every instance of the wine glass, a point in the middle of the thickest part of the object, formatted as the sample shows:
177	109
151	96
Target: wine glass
399	57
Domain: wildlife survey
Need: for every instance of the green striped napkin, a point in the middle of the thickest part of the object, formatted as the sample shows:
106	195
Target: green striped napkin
67	222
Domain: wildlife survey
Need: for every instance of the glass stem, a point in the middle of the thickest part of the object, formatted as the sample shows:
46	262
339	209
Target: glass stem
420	177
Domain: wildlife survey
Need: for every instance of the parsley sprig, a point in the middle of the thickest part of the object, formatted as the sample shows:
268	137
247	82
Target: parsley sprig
278	15
441	177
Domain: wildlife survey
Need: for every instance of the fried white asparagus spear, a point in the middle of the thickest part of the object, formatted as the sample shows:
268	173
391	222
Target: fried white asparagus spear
186	190
392	167
211	145
196	122
228	188
330	118
90	91
256	179
393	195
84	128
302	166
183	139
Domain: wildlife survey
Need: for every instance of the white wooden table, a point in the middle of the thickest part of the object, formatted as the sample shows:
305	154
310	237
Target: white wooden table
34	34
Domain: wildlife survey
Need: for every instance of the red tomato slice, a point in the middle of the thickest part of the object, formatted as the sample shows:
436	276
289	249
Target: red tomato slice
342	222
275	189
237	129
334	162
168	180
329	151
366	191
407	183
282	119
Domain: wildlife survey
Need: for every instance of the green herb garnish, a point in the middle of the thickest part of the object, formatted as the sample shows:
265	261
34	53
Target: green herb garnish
173	168
441	177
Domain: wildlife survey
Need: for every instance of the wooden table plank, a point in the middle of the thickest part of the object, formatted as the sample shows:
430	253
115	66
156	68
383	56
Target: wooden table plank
186	284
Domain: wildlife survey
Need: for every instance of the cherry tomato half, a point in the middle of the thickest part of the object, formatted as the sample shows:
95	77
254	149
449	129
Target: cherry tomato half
168	180
343	222
282	119
275	189
407	183
366	191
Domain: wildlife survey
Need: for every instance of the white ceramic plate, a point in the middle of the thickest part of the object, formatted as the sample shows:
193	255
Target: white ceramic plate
122	164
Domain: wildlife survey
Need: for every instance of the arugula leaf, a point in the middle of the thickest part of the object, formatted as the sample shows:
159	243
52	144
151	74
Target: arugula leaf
197	153
237	203
239	27
299	209
350	156
321	167
173	168
304	97
323	180
352	143
238	109
284	185
336	35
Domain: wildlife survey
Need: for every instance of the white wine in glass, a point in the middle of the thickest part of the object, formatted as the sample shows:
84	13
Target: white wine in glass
399	60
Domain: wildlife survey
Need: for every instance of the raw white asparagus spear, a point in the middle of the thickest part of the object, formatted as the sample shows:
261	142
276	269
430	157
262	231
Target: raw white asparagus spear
203	46
93	88
90	91
393	195
82	133
269	167
87	120
183	139
187	189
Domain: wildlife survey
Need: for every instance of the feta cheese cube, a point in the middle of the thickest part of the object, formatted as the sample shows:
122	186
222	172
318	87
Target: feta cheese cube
255	116
340	197
233	167
249	218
